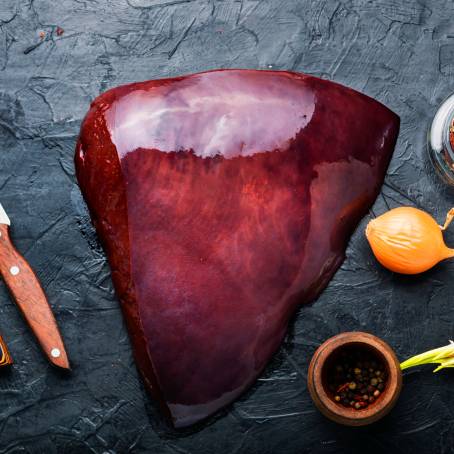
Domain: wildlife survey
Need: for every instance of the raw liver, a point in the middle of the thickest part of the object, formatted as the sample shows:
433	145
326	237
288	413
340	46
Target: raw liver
224	200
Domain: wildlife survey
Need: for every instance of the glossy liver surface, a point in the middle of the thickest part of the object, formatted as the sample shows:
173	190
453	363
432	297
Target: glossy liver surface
224	200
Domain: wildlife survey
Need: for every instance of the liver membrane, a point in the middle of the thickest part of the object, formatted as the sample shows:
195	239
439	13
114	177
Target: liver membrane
224	200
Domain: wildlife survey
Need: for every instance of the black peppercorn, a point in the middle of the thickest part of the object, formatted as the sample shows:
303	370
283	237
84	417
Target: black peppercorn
357	380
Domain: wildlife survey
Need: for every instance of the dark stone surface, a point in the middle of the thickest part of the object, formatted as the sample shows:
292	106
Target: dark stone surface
400	52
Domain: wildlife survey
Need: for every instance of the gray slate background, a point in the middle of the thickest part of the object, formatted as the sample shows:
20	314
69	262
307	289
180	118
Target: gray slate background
398	51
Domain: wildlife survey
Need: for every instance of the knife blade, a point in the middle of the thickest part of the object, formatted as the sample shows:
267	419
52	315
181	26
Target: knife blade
26	290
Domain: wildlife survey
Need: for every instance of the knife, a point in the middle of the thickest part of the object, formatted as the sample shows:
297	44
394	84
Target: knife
29	296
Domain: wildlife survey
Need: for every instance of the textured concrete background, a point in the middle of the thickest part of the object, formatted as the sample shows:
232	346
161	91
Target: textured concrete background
398	51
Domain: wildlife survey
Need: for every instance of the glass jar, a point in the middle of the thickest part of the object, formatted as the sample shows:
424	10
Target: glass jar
441	140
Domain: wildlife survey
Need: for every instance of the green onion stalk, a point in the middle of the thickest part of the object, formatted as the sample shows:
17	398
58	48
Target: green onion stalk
443	356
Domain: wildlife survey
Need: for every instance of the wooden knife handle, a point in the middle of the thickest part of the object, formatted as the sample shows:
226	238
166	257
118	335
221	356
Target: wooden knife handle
29	296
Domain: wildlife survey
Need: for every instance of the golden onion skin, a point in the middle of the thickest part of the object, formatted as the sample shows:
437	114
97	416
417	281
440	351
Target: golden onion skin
407	240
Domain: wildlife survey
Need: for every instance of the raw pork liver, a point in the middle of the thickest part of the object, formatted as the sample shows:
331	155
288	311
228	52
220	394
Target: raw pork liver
224	200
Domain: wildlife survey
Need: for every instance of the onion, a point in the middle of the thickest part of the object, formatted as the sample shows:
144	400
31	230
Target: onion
408	241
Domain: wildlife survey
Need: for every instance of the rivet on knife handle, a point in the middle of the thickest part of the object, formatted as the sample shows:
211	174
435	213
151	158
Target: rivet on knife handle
29	296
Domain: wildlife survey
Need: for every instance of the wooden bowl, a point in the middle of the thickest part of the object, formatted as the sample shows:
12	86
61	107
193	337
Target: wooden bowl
317	379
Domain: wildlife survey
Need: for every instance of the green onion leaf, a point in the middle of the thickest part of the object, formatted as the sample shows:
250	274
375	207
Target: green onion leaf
443	356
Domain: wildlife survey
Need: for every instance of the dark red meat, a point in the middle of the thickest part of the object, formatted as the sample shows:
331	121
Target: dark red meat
224	200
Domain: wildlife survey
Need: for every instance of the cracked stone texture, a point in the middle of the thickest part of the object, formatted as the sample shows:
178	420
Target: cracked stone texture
400	52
